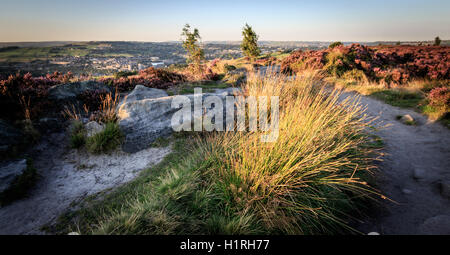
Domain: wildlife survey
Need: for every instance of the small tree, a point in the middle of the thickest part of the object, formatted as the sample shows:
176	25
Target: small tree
335	44
437	41
249	44
191	44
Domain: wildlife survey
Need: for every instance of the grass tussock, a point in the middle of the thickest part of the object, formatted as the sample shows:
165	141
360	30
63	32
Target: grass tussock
306	180
105	141
309	181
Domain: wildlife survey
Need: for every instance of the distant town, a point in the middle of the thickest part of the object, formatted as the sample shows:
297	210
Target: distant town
106	58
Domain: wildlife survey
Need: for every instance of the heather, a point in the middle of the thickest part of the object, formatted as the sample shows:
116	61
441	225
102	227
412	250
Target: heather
388	64
150	77
23	96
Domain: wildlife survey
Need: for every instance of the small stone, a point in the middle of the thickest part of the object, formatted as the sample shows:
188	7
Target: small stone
407	191
419	173
445	188
407	119
373	234
93	128
73	234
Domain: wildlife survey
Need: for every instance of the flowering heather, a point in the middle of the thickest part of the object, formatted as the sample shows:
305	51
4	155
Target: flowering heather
392	64
150	77
440	97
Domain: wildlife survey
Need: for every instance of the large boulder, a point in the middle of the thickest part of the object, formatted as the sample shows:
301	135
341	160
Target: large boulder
143	117
9	173
141	92
69	91
9	137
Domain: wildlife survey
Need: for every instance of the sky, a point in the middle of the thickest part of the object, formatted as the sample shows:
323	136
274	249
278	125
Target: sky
275	20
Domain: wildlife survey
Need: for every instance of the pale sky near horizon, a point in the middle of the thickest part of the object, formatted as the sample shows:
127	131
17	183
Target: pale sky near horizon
138	20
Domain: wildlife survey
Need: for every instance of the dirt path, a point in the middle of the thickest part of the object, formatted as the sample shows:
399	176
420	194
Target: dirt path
417	159
67	176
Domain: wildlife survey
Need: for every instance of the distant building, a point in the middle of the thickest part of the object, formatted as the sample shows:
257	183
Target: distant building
157	64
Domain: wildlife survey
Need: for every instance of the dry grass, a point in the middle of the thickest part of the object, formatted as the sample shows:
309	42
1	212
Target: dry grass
297	184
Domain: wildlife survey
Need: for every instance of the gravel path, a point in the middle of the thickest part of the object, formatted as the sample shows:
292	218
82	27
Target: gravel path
414	172
67	176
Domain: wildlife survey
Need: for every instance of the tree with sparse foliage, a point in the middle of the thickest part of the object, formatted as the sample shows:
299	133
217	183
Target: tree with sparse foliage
249	44
437	41
191	44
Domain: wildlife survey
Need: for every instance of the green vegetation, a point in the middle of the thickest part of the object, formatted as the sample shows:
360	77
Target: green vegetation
124	74
249	44
335	44
190	40
77	135
161	142
415	95
400	98
20	186
306	182
437	41
188	88
105	141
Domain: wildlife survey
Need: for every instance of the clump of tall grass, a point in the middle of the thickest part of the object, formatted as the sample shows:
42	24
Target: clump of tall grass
105	141
107	110
305	181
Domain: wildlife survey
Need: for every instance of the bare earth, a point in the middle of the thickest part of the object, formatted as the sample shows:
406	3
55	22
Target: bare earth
67	176
416	159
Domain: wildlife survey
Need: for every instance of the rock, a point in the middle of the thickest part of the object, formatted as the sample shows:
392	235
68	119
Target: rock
445	188
9	137
70	91
141	92
438	225
407	119
407	191
373	234
419	173
9	172
73	234
143	119
93	128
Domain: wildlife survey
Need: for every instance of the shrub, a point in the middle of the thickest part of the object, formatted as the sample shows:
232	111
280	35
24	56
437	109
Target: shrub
125	74
391	64
150	77
355	75
105	141
335	44
440	97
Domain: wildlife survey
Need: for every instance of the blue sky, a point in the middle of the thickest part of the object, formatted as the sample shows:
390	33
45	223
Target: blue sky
138	20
